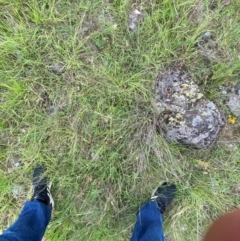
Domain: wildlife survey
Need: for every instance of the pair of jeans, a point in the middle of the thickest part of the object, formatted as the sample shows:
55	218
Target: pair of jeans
31	223
35	216
149	223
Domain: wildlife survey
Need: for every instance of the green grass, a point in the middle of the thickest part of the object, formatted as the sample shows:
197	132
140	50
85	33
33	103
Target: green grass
94	125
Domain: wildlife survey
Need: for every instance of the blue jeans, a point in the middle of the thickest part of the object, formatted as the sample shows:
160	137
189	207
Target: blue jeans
31	223
149	224
35	216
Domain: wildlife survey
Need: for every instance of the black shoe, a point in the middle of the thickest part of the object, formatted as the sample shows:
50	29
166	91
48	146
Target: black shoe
41	187
164	195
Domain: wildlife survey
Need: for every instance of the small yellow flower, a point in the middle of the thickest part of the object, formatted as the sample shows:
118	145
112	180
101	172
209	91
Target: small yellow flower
203	164
231	119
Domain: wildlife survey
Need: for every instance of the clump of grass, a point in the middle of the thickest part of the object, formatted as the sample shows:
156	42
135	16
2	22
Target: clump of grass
94	126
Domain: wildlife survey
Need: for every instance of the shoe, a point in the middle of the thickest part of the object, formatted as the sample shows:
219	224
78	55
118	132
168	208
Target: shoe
164	195
41	187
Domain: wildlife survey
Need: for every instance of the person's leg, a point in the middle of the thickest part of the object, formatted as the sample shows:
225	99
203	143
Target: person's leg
149	224
31	223
36	214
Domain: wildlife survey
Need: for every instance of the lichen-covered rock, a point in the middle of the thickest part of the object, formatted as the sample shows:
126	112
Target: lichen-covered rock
185	115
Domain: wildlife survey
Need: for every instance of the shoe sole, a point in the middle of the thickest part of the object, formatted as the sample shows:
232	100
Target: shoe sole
50	195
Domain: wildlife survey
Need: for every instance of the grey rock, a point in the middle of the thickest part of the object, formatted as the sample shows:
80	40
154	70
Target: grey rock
234	104
14	163
207	35
134	18
185	115
237	89
57	68
231	97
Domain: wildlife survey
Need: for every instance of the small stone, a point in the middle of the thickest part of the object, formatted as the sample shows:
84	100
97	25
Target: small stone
134	18
207	35
234	104
15	163
57	68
